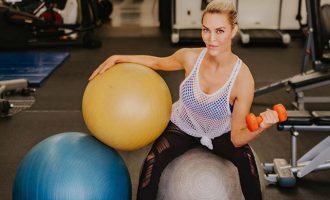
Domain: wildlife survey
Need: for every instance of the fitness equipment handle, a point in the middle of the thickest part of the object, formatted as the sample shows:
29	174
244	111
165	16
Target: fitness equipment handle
253	122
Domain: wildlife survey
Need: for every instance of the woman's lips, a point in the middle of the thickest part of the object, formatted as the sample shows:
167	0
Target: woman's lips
212	46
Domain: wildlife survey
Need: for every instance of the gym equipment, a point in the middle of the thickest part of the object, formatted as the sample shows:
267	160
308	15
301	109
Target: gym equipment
324	18
105	9
186	20
15	96
261	29
127	107
48	25
36	67
253	122
299	16
61	12
70	166
165	21
318	158
320	57
199	174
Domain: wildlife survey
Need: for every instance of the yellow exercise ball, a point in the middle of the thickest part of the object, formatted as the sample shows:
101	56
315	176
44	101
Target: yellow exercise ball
127	107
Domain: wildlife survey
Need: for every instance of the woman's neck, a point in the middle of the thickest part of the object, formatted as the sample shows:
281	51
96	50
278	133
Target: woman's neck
222	60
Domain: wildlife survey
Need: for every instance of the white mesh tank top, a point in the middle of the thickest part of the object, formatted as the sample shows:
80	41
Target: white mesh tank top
204	115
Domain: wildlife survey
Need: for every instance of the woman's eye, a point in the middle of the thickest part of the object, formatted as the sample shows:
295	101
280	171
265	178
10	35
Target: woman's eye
219	31
204	30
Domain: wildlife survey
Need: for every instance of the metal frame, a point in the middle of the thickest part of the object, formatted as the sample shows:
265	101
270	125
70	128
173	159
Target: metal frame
314	44
11	106
301	99
316	159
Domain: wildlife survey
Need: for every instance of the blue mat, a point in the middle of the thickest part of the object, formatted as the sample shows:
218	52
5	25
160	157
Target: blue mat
33	66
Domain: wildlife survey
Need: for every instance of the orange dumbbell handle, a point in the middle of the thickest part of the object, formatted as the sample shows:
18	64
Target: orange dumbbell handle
254	122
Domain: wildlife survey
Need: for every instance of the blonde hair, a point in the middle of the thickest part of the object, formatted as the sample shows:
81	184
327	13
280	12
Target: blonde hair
222	7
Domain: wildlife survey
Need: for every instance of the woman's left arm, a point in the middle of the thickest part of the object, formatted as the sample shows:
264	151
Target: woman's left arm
240	134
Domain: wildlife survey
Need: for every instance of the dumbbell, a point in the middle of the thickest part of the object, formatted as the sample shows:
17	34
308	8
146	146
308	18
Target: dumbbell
253	122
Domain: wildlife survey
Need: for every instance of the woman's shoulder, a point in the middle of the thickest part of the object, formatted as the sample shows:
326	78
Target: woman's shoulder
189	55
245	69
244	82
245	75
189	52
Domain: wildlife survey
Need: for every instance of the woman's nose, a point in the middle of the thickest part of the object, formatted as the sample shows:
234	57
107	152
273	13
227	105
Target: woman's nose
212	36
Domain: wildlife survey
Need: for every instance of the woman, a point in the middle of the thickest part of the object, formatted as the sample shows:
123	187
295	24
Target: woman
215	97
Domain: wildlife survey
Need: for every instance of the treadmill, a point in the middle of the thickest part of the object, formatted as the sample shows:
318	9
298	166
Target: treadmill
263	34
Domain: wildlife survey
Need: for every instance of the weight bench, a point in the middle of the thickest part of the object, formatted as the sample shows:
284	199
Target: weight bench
300	83
318	158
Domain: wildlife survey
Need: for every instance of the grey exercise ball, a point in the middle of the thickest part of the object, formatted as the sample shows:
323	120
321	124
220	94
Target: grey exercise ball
200	175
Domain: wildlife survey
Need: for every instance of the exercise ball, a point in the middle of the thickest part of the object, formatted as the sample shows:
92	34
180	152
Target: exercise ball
72	166
127	107
199	174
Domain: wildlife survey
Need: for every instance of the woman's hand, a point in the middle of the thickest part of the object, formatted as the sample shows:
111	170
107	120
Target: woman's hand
269	118
111	61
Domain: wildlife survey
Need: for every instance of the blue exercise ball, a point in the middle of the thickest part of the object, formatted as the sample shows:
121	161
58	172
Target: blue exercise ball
72	166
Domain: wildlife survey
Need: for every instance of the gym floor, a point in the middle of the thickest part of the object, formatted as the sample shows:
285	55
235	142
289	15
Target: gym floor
58	102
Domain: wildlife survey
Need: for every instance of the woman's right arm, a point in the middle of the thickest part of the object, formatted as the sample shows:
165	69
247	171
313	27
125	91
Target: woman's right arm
169	63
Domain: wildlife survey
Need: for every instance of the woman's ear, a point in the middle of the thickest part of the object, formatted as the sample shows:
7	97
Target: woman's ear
234	32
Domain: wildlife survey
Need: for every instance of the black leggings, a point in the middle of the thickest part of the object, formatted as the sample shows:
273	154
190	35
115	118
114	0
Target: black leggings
174	142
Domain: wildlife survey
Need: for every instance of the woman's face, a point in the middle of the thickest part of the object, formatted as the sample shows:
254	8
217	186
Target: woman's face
217	33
